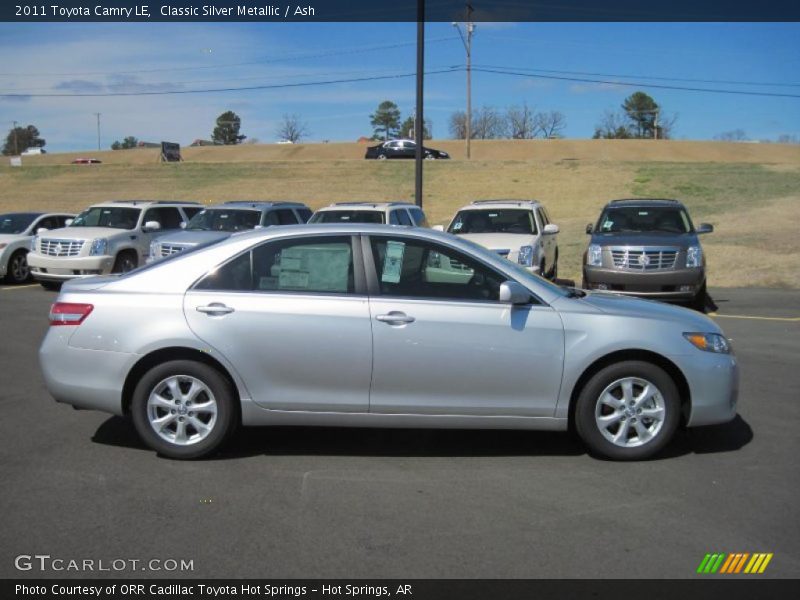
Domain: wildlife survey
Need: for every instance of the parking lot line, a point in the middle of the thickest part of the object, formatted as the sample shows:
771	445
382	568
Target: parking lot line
19	287
787	319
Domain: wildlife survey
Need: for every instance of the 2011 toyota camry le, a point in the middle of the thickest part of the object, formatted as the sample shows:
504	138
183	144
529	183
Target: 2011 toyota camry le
378	326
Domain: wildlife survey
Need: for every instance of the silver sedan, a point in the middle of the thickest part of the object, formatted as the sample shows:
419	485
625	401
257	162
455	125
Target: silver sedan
378	326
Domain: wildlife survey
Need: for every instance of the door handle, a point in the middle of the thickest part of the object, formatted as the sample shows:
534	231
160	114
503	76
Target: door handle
395	318
215	308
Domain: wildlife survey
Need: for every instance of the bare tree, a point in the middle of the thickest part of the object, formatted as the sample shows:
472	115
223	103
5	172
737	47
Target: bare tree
550	124
488	123
735	135
520	120
613	126
786	138
292	129
458	125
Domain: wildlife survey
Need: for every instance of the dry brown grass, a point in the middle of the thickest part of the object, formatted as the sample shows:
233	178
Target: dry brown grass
753	203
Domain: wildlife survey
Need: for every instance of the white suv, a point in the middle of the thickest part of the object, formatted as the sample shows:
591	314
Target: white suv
112	237
519	230
386	213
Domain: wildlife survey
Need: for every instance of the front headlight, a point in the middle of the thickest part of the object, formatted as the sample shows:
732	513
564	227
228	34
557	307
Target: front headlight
594	256
34	243
710	342
155	249
525	256
694	256
99	247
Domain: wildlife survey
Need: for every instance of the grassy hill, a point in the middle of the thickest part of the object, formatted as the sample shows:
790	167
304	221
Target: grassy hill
750	192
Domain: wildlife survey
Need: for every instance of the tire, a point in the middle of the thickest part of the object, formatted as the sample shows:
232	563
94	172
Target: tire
125	261
554	272
698	303
51	286
430	157
382	157
601	398
18	270
176	432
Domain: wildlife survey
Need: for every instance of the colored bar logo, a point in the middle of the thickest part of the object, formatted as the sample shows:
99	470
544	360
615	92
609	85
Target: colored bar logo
731	564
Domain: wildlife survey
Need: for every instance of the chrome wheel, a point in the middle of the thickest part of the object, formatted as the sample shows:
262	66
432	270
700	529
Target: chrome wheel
18	267
382	157
182	410
630	412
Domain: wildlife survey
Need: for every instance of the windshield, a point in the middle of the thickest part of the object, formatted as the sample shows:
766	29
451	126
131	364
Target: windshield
16	222
224	220
665	219
348	216
493	221
108	216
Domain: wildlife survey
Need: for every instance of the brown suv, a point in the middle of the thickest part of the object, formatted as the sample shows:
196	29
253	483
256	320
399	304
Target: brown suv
647	248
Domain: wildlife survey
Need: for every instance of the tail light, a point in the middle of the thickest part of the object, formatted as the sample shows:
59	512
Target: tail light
69	313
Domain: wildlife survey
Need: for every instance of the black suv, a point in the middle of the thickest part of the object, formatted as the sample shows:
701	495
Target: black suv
647	248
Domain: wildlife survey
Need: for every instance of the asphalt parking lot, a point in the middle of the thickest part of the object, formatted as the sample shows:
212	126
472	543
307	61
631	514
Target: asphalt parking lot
346	503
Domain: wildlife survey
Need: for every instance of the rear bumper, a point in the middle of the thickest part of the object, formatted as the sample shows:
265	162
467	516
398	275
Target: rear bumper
51	268
680	284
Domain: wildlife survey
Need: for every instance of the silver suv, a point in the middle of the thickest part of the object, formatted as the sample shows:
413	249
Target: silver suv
112	237
221	220
358	325
16	232
385	213
519	230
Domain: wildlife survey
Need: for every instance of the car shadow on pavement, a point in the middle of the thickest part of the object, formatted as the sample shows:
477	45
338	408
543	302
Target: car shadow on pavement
344	441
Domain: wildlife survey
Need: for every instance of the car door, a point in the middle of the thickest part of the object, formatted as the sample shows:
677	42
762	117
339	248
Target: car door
444	344
292	317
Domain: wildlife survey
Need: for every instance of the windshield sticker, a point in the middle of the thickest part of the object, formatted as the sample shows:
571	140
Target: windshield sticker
393	262
458	226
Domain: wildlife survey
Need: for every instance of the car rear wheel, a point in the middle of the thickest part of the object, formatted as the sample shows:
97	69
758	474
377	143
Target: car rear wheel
628	411
125	261
18	270
382	157
184	409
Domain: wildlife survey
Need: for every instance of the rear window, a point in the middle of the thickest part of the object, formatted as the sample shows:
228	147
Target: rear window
510	220
348	216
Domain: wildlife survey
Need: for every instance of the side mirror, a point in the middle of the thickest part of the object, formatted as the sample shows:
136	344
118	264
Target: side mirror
438	227
704	228
68	222
183	224
514	293
151	226
589	228
41	230
551	228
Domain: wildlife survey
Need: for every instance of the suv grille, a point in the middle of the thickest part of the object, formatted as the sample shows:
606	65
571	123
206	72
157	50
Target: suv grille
169	249
61	247
644	259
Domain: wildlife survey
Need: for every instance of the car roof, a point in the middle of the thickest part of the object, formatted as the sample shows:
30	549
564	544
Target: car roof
510	203
142	203
645	202
256	204
366	206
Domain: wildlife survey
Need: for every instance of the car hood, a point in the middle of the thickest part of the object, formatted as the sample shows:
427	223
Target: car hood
626	306
85	233
192	238
8	238
682	240
500	241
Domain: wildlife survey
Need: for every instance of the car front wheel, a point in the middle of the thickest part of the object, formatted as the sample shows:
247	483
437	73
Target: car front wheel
18	270
184	409
628	411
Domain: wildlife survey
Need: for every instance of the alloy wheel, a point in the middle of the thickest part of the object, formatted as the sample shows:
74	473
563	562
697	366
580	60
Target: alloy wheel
182	410
630	412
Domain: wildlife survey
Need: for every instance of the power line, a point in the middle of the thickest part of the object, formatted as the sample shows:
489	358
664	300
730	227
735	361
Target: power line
638	84
232	89
720	81
322	54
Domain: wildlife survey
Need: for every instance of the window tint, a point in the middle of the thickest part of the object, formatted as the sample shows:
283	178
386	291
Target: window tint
168	218
191	211
311	265
106	216
418	269
501	220
286	216
348	216
403	216
224	219
542	217
47	223
393	218
62	221
419	217
304	214
645	218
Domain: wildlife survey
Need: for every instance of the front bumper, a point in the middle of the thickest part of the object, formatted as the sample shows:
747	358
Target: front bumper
677	284
52	268
713	385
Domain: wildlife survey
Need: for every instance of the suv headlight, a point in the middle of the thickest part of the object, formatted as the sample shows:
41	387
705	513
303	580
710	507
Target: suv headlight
710	342
694	256
99	247
525	256
155	249
34	243
594	256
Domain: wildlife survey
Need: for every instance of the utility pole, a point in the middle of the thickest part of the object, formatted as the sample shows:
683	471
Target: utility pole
98	129
470	27
419	118
16	149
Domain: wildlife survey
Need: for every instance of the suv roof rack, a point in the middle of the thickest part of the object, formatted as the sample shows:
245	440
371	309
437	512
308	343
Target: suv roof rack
514	201
154	202
645	200
374	204
261	203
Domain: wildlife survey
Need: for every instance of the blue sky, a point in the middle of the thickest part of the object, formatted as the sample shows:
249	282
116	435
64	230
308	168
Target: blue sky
82	57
